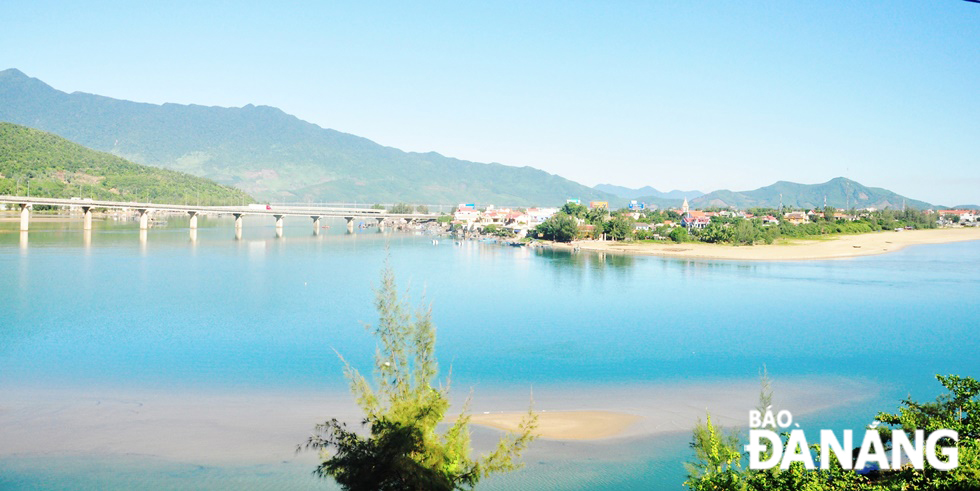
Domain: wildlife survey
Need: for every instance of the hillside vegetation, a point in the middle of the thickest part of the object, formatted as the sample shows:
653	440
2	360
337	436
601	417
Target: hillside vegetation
55	167
272	155
838	192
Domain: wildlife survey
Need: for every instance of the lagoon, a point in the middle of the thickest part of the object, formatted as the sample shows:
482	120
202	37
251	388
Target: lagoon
109	344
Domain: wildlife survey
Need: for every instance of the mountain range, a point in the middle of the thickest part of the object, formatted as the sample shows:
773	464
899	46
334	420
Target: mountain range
275	156
38	163
646	192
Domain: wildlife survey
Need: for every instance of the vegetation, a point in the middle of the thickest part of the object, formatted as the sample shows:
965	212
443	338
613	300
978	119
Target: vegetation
838	193
402	208
718	455
271	154
403	449
57	168
560	227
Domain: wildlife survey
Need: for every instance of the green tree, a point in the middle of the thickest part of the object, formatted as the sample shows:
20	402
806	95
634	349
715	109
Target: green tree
619	228
404	450
575	210
679	234
421	209
559	227
402	208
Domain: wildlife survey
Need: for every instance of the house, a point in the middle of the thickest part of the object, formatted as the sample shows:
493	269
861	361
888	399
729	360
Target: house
695	221
537	216
466	214
642	226
796	217
770	220
963	215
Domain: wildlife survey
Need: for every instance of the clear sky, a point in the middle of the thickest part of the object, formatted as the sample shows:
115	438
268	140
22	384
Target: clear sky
685	94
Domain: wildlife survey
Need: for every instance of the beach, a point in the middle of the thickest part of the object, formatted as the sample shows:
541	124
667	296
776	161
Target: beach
833	247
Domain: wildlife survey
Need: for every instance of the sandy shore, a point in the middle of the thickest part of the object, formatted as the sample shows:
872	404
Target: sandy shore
256	426
563	425
837	247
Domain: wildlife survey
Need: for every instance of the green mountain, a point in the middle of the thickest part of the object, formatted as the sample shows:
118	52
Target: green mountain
55	167
838	192
646	192
273	155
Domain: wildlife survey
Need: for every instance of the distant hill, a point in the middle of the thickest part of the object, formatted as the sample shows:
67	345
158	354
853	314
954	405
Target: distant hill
839	193
273	155
647	192
58	168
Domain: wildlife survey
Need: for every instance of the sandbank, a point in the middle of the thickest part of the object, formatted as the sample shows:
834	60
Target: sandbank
833	247
563	425
255	426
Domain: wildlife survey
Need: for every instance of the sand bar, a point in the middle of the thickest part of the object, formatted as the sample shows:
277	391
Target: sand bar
255	426
834	247
563	425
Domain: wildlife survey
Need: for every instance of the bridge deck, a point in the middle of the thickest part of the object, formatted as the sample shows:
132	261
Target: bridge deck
310	211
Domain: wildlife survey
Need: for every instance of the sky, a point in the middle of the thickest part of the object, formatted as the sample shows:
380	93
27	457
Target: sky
675	94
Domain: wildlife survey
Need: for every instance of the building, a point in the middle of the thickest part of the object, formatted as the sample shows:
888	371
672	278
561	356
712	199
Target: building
695	221
796	217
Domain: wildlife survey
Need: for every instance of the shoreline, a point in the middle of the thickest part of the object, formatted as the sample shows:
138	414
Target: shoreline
835	247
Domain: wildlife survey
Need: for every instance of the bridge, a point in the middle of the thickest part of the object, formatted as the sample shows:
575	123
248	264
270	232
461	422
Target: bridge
144	210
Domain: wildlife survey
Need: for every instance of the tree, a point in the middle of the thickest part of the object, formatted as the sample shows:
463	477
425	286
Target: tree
422	209
403	450
559	227
619	228
402	208
679	234
575	210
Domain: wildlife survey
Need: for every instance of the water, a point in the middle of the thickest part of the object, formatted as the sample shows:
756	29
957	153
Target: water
261	314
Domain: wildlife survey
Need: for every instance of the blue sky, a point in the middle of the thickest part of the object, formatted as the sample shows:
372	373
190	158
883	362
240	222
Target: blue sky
686	94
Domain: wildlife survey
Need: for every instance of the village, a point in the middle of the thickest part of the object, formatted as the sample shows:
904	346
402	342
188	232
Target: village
650	223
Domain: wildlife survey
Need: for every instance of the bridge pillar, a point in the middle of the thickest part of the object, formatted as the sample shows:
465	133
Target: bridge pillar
144	218
87	221
316	225
25	217
278	225
193	223
381	224
350	224
238	225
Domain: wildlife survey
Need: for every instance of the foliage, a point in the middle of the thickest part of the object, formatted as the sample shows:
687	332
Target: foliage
421	209
679	234
575	210
58	168
559	227
401	209
274	155
716	468
497	230
404	449
619	228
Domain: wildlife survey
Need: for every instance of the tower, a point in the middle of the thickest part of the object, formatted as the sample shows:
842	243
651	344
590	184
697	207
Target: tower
685	209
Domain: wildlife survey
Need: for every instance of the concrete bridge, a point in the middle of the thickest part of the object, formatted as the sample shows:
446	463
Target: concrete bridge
144	210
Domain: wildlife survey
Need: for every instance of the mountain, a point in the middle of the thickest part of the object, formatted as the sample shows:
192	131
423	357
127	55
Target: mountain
55	167
839	193
273	155
646	192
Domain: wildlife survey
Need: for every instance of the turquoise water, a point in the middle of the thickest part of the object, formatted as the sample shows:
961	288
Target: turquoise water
261	312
